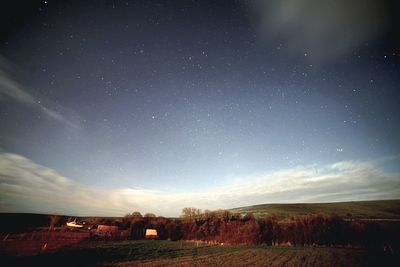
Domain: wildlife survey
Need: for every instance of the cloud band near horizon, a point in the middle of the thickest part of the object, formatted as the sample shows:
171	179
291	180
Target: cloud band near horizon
26	186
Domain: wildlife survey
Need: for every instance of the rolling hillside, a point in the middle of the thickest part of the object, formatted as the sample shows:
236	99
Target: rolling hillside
376	209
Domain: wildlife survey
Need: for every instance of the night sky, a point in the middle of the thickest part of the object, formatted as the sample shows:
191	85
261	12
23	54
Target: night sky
107	107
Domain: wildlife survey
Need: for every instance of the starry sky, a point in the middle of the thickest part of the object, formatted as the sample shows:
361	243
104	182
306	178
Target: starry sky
107	107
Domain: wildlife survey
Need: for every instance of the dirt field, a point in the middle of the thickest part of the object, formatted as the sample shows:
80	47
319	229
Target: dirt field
34	243
170	253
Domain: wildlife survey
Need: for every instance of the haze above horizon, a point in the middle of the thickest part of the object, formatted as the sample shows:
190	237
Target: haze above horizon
111	107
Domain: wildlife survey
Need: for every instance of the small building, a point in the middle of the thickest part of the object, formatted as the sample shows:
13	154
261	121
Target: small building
74	224
151	234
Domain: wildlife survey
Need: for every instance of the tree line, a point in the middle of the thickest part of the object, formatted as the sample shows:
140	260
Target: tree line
233	228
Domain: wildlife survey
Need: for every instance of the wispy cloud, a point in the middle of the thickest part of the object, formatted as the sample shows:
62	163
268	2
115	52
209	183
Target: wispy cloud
322	29
12	89
26	186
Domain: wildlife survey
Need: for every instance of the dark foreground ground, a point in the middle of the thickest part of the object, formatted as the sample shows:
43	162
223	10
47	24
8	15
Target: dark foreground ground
181	253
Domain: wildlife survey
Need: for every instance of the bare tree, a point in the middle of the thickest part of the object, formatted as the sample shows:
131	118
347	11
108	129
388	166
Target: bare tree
53	220
136	215
191	213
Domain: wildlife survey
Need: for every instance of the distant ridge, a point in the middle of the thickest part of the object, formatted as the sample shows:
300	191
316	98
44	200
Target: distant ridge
374	209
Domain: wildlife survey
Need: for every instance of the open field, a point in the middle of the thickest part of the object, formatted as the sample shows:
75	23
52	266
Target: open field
33	243
181	253
377	209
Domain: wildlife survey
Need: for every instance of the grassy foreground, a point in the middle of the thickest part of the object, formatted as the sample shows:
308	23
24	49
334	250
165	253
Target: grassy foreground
376	209
177	253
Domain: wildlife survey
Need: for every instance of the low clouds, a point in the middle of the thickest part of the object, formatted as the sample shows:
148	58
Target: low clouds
10	88
26	186
322	29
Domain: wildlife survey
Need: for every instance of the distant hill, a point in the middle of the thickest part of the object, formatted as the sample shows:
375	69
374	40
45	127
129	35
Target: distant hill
376	209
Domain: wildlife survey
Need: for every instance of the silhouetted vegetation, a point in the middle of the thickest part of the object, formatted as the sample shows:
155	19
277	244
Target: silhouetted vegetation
301	240
222	226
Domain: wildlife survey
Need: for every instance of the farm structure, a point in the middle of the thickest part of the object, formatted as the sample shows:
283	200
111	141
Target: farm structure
113	232
151	234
